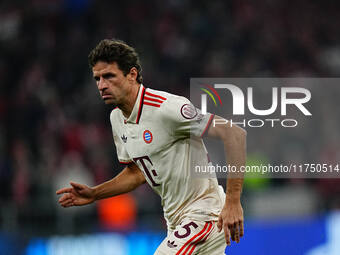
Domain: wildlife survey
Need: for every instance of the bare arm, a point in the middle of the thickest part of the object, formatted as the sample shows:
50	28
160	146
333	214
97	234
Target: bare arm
234	140
79	194
129	179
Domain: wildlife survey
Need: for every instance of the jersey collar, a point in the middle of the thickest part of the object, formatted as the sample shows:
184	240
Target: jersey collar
138	107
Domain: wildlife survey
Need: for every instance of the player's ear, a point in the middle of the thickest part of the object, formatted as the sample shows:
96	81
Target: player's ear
132	75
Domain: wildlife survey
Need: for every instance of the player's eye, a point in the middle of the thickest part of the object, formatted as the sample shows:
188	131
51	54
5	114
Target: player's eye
96	78
108	75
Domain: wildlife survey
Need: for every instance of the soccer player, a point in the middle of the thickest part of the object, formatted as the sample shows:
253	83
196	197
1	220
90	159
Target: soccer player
158	136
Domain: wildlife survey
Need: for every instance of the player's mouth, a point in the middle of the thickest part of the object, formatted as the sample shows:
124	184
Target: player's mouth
106	96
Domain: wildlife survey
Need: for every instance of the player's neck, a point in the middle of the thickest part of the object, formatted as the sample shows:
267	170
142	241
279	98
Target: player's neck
130	102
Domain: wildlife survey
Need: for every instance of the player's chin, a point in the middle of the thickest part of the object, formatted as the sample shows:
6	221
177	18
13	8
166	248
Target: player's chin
108	101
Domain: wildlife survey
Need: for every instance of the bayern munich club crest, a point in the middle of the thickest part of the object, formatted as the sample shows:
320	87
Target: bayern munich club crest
147	136
188	111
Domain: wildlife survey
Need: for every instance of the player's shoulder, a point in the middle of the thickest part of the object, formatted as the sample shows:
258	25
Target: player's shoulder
114	113
167	106
115	117
162	99
155	99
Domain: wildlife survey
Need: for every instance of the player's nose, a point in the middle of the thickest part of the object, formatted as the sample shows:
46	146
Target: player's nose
102	84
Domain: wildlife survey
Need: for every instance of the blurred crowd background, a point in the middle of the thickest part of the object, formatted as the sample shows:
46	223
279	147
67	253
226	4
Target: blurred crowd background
55	128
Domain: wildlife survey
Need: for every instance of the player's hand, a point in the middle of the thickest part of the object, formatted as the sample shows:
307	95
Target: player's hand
78	194
231	220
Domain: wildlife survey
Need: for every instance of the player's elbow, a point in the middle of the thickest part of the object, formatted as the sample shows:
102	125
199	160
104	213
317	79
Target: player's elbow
135	175
140	179
234	135
241	132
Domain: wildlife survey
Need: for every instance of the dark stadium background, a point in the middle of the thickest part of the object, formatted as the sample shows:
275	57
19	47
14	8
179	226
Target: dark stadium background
54	127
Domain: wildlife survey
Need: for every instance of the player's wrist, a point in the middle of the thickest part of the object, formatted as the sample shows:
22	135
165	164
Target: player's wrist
233	198
94	193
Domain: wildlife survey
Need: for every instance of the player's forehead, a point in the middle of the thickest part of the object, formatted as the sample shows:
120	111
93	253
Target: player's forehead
102	67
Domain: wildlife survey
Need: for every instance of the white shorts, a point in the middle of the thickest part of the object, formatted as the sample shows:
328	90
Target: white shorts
193	237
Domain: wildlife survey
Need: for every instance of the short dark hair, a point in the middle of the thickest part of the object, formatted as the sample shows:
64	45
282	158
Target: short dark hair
112	50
